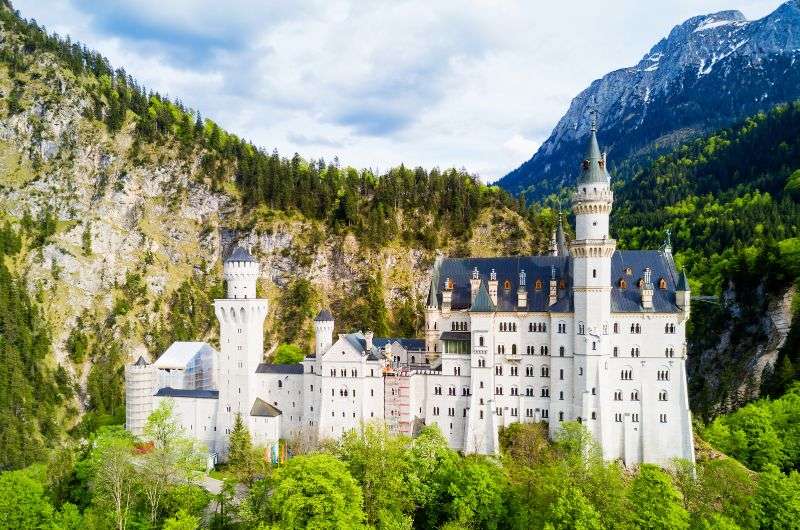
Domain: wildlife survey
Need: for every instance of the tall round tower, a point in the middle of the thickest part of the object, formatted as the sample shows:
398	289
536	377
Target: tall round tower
241	272
323	332
592	250
140	382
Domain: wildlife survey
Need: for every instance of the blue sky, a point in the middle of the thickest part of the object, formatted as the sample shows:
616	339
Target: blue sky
473	84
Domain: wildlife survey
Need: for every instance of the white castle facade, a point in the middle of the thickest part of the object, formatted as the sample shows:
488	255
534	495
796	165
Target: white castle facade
587	333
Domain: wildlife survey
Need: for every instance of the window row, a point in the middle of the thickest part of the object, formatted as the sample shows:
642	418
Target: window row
343	372
451	391
458	326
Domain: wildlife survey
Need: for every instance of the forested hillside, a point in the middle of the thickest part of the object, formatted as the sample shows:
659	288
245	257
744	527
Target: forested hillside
119	203
731	201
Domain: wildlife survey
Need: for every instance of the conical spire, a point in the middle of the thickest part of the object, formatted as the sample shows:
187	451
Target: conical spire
683	282
433	303
561	240
593	167
483	302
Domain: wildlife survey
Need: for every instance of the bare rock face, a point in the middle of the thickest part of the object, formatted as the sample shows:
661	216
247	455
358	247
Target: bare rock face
709	72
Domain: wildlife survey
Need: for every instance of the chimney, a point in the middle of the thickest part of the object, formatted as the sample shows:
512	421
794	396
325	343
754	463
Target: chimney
522	292
474	285
493	287
447	295
553	286
647	290
368	339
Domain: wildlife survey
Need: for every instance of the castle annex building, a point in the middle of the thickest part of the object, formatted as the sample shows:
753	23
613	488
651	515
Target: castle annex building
586	333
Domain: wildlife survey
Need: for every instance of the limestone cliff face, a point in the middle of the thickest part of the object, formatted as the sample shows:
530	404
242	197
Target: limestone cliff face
150	209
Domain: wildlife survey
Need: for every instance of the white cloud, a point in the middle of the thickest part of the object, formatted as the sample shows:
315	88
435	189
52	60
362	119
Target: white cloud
476	84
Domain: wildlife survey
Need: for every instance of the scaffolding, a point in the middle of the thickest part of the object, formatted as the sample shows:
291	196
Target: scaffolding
397	399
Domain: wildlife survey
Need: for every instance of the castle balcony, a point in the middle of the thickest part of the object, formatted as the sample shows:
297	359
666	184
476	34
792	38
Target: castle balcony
593	248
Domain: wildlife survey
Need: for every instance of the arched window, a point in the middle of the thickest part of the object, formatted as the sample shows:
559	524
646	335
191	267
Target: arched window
640	283
561	351
581	328
623	284
506	285
594	273
538	284
513	349
480	340
545	371
662	396
530	327
618	395
662	283
280	383
635	395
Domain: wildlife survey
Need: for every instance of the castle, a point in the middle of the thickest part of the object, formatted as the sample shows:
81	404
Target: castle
587	333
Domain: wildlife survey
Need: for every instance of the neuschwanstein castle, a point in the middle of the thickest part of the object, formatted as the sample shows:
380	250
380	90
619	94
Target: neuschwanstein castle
587	333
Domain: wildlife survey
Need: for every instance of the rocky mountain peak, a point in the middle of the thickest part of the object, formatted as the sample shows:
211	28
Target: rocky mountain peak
709	71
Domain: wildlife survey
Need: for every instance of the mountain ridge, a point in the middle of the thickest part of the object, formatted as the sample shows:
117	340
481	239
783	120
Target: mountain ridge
709	72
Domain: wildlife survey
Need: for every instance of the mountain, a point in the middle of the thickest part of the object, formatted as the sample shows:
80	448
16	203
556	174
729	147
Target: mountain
709	72
116	205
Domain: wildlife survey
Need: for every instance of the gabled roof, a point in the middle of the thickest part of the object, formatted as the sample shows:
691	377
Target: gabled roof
266	368
263	409
626	300
240	254
483	302
168	391
180	353
408	344
141	361
324	316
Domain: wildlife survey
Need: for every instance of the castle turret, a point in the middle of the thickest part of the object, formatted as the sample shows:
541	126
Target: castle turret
591	250
683	293
140	384
241	335
323	332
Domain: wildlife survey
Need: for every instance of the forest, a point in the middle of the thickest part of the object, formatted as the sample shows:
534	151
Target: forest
730	201
374	479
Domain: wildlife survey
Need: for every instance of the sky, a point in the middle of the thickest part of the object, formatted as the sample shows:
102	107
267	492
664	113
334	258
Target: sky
471	84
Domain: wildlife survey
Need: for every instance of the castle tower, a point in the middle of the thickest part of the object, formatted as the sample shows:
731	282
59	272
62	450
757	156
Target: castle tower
591	250
323	332
241	336
140	383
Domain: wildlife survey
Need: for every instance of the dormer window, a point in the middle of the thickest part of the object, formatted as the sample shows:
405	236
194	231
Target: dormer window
562	284
623	284
662	283
448	284
538	284
628	271
506	285
585	166
640	283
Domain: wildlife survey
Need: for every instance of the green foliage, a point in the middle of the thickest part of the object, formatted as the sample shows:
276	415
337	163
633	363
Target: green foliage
656	503
299	301
31	397
364	308
776	504
287	354
572	511
762	433
86	240
23	503
243	459
315	491
182	521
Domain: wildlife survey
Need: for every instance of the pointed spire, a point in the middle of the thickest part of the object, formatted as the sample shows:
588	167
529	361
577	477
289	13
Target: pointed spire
593	167
561	240
683	282
483	302
432	300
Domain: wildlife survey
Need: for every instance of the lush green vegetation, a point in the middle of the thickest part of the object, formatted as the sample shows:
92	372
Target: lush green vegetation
730	203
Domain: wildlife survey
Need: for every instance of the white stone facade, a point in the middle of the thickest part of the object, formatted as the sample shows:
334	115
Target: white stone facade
588	333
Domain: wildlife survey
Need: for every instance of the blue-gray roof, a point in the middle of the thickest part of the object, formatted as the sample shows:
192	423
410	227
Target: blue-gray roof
324	316
459	271
187	393
483	302
408	344
359	342
593	166
267	368
240	254
683	282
